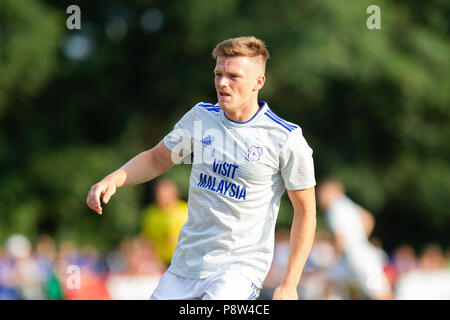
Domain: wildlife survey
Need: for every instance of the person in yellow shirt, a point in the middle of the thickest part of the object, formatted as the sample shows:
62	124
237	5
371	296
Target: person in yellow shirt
162	220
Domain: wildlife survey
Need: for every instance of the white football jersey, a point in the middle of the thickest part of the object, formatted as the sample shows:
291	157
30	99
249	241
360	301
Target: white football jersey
344	218
239	173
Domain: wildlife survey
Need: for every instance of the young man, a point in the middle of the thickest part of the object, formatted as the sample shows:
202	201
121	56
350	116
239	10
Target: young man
245	157
352	225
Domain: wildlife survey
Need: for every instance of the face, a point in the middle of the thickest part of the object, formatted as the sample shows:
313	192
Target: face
237	80
322	200
327	193
166	193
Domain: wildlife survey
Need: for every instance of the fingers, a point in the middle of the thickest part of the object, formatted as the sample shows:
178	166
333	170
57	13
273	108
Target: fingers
93	198
102	190
108	193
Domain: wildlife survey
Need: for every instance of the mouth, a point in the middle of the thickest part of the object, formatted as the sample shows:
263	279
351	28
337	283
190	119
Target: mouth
223	94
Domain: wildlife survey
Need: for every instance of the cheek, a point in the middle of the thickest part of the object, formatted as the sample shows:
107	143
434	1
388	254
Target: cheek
241	87
247	88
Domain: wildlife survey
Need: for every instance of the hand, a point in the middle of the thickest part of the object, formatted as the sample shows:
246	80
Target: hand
104	189
285	293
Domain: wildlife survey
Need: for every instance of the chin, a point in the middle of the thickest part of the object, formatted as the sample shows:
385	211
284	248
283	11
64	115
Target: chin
225	105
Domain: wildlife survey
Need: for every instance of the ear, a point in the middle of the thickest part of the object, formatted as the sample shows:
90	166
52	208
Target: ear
260	82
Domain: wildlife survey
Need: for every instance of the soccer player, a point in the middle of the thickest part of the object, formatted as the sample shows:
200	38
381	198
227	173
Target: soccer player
352	225
163	219
244	158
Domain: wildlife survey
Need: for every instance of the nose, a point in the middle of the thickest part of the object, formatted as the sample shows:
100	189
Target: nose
221	81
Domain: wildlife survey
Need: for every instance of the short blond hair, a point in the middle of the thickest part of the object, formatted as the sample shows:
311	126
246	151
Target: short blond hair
241	46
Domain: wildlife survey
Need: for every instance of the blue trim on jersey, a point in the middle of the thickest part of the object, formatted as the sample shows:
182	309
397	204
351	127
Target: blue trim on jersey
280	123
253	295
205	104
293	126
260	108
209	106
212	109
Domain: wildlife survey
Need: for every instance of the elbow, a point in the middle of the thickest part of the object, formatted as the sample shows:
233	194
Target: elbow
307	216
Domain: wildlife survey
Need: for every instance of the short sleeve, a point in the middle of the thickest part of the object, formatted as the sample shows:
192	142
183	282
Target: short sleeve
180	139
296	163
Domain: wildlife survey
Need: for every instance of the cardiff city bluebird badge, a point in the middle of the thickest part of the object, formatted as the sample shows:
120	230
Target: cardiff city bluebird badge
255	153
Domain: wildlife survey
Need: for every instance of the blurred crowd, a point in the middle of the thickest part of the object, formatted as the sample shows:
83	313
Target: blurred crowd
132	271
412	274
50	270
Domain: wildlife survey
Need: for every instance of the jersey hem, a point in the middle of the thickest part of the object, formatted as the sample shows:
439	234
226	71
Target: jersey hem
202	275
300	187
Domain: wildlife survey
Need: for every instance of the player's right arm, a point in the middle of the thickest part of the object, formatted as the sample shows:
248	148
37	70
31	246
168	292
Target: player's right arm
142	168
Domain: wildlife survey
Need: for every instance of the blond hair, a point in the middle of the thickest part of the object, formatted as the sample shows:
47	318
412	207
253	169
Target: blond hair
241	46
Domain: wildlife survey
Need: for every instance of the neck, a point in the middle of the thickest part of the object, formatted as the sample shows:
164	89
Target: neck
166	205
244	113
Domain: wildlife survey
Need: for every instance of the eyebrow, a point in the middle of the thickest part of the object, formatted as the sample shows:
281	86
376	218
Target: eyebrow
230	73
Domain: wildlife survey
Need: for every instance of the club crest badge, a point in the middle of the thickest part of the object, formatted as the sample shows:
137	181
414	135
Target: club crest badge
255	153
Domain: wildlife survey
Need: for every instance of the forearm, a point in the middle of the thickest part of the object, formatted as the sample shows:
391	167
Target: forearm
301	240
144	167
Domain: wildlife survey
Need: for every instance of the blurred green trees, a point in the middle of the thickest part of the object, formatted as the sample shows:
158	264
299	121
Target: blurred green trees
75	105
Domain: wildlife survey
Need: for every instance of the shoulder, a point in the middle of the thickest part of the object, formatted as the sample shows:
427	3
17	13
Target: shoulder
204	111
207	107
200	111
278	122
283	130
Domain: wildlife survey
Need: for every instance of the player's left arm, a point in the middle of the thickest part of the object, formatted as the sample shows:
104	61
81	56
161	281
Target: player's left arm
368	221
301	240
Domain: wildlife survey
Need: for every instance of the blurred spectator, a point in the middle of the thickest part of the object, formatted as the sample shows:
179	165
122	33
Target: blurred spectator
78	275
325	276
279	263
323	254
45	255
351	226
404	260
141	257
431	280
8	276
162	221
432	258
28	281
322	270
136	270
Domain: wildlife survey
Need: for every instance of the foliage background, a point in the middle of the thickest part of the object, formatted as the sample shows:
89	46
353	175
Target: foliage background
77	104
